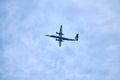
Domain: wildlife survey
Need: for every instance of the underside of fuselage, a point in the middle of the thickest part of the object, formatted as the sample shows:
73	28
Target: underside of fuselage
59	38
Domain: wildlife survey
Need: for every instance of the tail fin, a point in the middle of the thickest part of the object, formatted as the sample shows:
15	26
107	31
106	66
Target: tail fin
76	37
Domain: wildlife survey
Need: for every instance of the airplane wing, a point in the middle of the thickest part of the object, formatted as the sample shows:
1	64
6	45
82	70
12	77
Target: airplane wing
60	32
59	43
60	29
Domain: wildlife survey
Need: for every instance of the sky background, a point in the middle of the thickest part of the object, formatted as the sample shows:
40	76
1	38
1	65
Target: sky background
26	54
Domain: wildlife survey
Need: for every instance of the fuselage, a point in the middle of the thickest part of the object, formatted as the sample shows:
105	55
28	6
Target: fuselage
61	38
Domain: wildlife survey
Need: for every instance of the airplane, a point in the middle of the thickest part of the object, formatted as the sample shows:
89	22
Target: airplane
60	37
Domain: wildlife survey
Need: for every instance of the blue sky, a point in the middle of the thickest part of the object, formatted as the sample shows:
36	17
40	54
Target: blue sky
26	54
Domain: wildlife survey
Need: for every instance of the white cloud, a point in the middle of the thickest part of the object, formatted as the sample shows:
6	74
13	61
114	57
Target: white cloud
30	55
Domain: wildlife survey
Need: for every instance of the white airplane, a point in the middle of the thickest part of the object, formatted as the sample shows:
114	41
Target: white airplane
60	38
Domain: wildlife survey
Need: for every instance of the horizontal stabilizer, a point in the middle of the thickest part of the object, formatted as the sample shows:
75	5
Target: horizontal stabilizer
76	37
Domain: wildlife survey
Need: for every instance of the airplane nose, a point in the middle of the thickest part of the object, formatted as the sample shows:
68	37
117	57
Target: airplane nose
47	35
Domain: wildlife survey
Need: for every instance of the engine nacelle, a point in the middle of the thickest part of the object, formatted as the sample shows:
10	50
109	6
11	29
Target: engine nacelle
59	33
59	40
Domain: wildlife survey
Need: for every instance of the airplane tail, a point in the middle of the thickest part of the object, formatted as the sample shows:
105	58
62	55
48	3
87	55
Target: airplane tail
76	37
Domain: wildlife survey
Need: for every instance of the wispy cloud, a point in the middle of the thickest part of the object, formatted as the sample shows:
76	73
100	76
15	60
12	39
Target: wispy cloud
28	54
